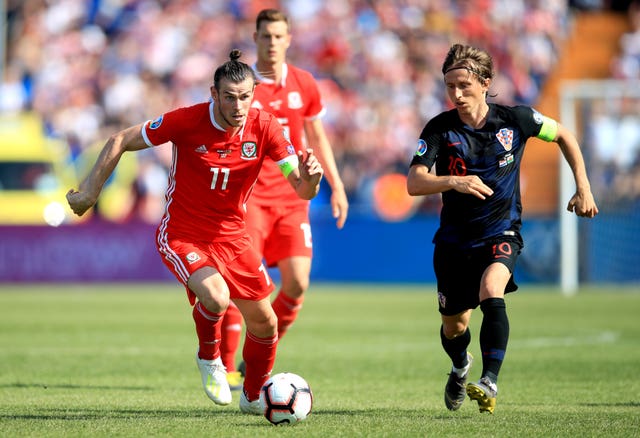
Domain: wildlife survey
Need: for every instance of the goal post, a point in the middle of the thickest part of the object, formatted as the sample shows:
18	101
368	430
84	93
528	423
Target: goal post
605	116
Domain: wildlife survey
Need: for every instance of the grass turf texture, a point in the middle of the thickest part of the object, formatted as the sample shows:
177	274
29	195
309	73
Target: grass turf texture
117	360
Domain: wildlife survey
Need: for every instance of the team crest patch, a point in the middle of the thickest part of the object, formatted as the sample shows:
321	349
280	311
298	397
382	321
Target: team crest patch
193	257
249	150
156	123
294	100
422	148
505	137
291	150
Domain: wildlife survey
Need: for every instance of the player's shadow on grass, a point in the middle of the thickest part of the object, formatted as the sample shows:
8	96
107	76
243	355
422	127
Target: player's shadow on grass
76	414
73	386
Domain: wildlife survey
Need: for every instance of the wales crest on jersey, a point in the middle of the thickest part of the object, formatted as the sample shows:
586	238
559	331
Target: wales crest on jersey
249	150
294	100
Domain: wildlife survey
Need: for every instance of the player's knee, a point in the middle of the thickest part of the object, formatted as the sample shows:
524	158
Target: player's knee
263	326
215	303
453	330
296	287
214	299
210	288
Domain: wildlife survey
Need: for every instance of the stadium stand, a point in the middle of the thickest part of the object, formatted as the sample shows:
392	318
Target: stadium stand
90	67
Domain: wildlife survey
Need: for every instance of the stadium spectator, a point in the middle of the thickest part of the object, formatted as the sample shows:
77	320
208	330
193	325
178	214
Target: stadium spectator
627	64
277	219
616	162
123	57
477	148
218	149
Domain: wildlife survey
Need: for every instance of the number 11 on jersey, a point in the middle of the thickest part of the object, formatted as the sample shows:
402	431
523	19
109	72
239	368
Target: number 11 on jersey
225	177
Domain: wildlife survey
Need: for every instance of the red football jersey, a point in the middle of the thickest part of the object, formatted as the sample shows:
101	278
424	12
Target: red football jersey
292	101
212	174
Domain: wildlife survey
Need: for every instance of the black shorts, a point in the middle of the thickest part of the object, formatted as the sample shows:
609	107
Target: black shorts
459	271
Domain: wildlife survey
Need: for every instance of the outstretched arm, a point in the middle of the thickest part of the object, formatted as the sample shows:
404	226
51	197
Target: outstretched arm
582	202
85	197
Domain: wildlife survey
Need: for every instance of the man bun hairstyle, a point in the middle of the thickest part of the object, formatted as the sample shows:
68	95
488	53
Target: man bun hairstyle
233	70
235	54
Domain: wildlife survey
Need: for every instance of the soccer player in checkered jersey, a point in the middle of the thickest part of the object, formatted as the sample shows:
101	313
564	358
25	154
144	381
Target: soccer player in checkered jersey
219	147
477	149
277	219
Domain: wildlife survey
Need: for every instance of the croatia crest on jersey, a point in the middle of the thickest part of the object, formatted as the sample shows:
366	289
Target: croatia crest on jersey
249	150
505	137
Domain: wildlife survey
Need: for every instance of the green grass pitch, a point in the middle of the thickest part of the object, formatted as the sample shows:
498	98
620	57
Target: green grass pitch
118	360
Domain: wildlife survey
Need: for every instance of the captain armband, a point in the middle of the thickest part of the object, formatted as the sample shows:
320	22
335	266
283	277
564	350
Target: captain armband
548	130
287	164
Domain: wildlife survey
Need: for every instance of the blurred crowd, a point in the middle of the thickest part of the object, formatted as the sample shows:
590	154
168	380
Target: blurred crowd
92	67
616	125
627	64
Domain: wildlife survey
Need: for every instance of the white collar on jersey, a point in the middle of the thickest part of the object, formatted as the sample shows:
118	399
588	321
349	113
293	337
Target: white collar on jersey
216	124
285	70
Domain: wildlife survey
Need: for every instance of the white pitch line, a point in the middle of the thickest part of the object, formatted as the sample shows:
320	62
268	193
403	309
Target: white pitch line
567	341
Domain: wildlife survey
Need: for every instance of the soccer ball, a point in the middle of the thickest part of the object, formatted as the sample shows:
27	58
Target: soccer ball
286	398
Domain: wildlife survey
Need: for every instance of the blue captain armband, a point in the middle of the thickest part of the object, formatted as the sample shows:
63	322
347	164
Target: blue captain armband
287	164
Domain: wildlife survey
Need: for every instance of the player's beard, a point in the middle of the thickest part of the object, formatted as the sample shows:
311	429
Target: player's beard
233	123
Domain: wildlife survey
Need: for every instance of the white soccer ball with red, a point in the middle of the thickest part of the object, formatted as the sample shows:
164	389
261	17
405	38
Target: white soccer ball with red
286	398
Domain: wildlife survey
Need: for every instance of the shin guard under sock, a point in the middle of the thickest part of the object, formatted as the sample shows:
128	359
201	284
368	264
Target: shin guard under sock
494	336
286	309
231	333
259	356
456	348
208	329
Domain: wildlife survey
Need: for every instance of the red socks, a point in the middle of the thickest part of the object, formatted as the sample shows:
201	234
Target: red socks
231	330
286	309
259	357
259	354
208	329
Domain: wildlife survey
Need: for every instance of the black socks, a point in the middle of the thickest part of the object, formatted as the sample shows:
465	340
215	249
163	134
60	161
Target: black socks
456	348
494	335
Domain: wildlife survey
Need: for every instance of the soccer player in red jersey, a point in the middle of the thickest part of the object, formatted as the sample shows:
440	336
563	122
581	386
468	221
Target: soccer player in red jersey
277	219
218	150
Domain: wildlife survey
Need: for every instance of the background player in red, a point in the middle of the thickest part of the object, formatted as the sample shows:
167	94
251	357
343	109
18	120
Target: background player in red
277	219
218	149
